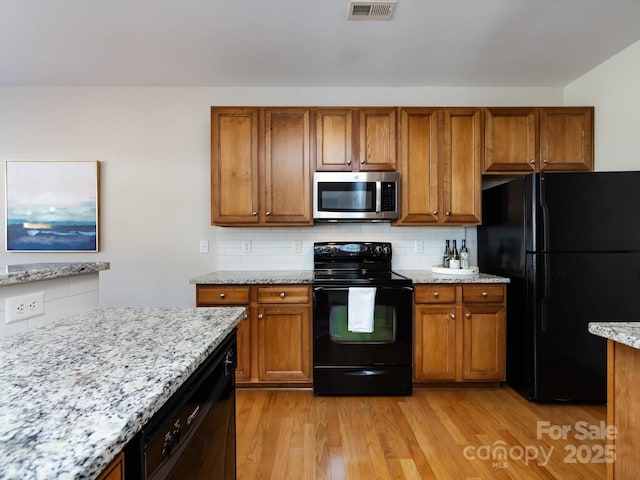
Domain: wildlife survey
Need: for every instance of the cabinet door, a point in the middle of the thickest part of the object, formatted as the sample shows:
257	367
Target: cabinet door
419	173
287	183
511	140
334	134
483	342
115	470
234	165
462	166
566	138
284	353
243	369
435	342
377	139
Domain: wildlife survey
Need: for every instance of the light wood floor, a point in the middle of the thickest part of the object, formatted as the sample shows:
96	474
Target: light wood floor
434	434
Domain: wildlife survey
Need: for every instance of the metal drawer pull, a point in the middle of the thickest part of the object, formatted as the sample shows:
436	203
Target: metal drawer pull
222	295
447	214
485	294
532	162
254	213
468	315
282	295
260	315
435	212
436	294
453	316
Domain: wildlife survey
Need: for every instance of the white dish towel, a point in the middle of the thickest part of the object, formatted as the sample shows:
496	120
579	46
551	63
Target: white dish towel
362	301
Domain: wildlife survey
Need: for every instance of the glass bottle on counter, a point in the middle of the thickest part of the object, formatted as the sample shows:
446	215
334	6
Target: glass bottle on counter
455	257
464	255
446	257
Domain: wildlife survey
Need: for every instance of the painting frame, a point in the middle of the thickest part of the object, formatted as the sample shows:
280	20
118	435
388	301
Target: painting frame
52	205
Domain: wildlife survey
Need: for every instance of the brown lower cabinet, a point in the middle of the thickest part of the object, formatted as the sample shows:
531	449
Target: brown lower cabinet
274	341
115	470
623	399
459	333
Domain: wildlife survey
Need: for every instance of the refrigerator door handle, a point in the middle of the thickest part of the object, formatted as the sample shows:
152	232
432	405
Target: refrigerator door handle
543	272
544	213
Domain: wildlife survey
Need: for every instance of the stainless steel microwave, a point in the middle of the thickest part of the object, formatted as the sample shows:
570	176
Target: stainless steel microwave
356	196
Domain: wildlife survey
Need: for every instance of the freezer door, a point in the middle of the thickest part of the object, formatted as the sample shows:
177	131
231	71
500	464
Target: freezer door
573	290
589	212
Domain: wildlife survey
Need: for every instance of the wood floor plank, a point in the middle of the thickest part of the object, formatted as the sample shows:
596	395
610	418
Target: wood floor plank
435	434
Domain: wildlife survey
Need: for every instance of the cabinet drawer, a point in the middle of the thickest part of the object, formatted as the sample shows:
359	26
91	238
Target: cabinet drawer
283	294
217	295
435	294
483	293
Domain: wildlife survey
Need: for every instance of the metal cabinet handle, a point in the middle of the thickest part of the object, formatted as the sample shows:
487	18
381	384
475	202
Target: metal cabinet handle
532	162
468	315
485	294
254	213
260	316
349	162
222	295
447	214
268	214
545	161
436	294
362	162
282	295
453	316
435	212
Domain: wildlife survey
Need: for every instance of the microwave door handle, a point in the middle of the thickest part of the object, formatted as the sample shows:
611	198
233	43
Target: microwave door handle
378	197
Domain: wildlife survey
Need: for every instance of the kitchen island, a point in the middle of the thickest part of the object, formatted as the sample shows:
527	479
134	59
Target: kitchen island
76	391
623	395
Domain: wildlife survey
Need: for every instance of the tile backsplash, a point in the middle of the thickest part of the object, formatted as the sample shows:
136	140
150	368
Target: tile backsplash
285	248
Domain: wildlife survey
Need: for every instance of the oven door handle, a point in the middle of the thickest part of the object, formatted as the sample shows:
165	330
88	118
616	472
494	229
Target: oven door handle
317	288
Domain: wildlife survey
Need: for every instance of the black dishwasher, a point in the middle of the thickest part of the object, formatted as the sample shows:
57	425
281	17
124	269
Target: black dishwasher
193	435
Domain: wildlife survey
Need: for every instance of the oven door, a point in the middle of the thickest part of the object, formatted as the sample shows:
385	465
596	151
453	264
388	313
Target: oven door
390	343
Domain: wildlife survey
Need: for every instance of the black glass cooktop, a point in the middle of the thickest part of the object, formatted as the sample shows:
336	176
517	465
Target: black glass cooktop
359	277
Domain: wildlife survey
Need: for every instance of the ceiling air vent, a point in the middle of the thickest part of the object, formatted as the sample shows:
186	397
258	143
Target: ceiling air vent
371	10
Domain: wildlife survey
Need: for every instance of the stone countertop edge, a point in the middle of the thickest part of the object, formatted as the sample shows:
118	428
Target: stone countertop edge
254	277
427	276
33	272
627	333
75	392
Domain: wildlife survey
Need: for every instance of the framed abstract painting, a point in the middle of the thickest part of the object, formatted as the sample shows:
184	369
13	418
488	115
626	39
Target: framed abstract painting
52	206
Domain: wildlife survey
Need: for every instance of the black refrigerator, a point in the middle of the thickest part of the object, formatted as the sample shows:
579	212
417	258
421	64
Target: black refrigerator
570	243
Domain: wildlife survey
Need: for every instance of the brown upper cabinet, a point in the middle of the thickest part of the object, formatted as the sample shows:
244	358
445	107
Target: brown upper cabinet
355	139
521	140
260	166
440	165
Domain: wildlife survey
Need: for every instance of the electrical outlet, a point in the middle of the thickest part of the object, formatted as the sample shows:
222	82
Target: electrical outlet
23	307
246	246
204	246
297	247
418	246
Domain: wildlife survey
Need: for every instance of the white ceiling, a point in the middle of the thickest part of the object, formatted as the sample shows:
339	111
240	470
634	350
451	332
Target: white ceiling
309	42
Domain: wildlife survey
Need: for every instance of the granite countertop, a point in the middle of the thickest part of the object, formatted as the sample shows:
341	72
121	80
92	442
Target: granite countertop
32	272
306	276
427	276
241	277
627	333
76	391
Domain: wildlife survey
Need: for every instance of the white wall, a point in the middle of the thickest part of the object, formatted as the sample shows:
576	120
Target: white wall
613	88
153	144
62	297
